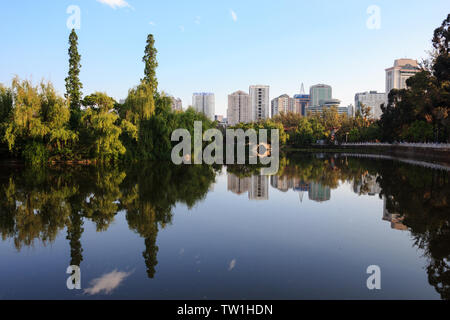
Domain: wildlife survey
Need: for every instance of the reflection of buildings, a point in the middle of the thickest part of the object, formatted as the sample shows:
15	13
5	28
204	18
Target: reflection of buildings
259	189
318	192
367	185
238	185
395	219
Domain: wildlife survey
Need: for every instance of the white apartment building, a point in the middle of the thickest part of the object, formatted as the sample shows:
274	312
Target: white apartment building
372	99
204	102
282	104
397	75
239	108
259	95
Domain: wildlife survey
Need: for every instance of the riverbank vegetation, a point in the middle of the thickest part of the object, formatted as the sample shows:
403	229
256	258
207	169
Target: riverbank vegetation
39	126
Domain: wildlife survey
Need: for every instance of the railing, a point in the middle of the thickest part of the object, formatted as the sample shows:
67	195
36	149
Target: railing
441	146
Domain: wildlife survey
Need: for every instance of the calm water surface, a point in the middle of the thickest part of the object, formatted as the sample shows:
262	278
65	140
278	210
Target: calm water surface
161	232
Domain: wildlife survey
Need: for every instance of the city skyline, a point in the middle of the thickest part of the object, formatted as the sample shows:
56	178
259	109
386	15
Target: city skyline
204	47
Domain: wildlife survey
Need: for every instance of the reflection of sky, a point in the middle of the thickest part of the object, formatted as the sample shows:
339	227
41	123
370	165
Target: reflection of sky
228	247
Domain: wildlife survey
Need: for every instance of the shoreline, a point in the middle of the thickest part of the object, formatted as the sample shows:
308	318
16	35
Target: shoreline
432	155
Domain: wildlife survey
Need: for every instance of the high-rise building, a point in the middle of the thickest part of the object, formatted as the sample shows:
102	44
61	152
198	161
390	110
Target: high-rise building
204	102
372	99
260	101
320	92
239	108
177	104
282	104
301	102
397	75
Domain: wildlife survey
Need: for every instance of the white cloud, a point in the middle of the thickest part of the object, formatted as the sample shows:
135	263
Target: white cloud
182	28
233	15
152	23
107	283
232	265
115	3
197	20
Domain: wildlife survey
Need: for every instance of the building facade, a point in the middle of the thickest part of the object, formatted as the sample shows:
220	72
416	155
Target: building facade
260	102
301	104
177	104
282	104
204	102
397	75
239	108
320	92
372	99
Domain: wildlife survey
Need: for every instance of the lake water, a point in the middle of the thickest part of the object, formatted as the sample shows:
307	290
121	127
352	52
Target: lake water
157	231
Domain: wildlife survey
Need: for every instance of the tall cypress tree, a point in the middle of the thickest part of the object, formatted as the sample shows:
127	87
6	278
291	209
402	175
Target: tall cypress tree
73	83
150	64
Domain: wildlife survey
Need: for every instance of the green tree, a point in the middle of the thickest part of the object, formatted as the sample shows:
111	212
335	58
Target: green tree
100	128
150	64
73	83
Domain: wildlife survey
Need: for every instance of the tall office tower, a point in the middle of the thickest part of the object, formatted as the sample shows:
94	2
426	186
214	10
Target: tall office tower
259	96
397	75
282	104
301	102
320	92
372	99
239	108
177	105
259	189
204	102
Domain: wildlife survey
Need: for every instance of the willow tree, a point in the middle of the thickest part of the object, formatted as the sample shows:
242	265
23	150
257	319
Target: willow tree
73	83
38	124
99	128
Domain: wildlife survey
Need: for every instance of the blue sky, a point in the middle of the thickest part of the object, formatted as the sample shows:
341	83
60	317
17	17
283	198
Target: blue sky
218	46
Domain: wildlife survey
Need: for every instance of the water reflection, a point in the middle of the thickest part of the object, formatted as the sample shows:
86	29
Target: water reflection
38	204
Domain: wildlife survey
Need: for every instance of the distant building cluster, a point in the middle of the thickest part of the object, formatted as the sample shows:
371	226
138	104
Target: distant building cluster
256	105
257	188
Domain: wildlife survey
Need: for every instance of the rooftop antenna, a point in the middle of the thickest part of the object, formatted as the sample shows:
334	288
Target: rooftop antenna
302	90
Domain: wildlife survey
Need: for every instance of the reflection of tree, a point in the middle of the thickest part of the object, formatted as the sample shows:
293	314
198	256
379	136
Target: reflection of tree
422	197
150	194
36	204
419	196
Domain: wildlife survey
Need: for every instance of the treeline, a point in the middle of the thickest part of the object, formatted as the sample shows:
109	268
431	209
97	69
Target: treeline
38	125
420	113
